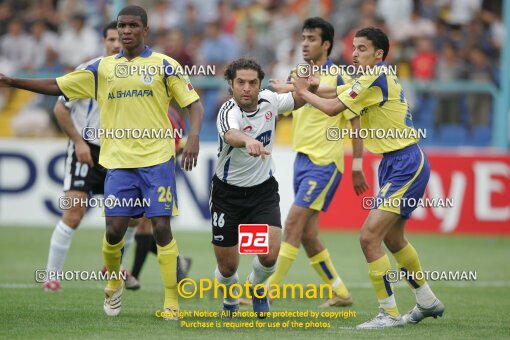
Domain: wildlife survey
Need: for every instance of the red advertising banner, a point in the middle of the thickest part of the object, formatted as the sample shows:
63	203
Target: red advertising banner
469	193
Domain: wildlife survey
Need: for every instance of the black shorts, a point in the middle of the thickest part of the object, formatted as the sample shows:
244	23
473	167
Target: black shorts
82	177
232	205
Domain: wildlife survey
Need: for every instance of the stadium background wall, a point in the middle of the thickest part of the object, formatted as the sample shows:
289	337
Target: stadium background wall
31	173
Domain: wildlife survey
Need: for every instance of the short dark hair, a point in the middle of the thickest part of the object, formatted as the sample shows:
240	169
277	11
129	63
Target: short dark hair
327	30
135	11
112	25
243	64
378	38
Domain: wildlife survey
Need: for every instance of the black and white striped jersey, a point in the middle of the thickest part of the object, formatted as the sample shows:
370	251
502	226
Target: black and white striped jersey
84	112
235	166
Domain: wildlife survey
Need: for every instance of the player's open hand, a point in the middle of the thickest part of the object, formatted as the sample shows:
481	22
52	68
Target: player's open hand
300	83
280	86
190	153
4	80
83	153
256	148
359	182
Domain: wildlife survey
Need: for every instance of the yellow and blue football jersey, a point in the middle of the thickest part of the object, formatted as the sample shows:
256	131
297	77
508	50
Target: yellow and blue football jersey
132	100
379	100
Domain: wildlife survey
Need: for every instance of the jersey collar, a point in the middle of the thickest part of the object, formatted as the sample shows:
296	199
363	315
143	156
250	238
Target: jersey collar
145	53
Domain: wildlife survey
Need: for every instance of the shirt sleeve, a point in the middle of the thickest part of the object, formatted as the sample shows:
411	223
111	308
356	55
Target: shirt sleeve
285	102
67	103
179	84
79	84
228	118
359	96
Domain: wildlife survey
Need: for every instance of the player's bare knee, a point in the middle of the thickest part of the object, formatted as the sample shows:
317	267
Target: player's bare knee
227	268
368	240
395	244
292	233
73	217
116	228
269	259
312	245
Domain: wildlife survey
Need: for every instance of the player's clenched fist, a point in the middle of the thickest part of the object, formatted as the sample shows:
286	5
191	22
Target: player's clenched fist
256	148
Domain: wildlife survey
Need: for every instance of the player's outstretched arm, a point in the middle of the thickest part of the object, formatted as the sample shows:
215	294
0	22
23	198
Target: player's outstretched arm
358	177
190	154
326	91
82	150
238	139
43	86
331	107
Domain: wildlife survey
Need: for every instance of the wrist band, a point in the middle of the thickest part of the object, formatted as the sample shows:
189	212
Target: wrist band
357	164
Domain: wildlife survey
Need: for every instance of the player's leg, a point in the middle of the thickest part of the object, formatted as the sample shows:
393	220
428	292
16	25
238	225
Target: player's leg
314	188
427	304
321	262
402	174
79	180
131	282
225	219
158	186
168	253
62	237
129	237
263	206
123	185
227	259
145	243
407	258
294	225
373	232
263	266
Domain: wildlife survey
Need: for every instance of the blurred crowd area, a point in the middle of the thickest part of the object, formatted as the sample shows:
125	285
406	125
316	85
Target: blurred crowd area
443	40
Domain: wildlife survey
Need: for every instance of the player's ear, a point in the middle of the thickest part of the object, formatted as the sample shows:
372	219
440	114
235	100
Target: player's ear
326	44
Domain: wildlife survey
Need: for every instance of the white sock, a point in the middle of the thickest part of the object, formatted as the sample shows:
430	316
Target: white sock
59	246
260	273
389	302
228	281
129	237
424	296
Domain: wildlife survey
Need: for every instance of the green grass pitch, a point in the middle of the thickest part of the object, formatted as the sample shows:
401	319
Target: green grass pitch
473	309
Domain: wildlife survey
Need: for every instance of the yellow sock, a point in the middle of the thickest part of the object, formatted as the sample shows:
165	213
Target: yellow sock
112	254
377	272
286	257
167	258
324	267
408	261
